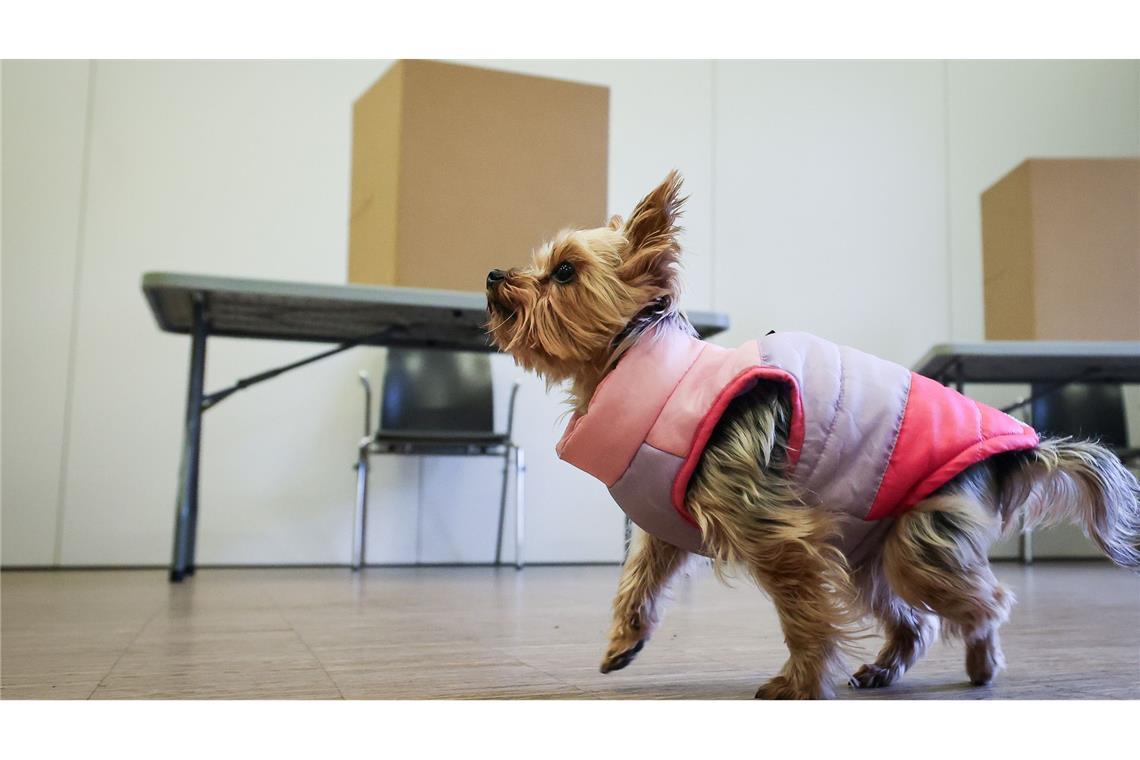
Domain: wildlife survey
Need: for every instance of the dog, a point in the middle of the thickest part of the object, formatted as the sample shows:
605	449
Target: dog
707	450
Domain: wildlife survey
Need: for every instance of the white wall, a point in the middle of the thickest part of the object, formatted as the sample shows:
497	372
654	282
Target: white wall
830	206
835	197
45	123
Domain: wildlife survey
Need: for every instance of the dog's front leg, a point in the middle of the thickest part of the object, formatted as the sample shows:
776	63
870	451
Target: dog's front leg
644	581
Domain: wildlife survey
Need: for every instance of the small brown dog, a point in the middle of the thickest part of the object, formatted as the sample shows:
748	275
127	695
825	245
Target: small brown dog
592	297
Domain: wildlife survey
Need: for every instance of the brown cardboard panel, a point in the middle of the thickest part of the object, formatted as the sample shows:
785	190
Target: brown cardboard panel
1087	249
1061	251
1007	266
376	128
489	165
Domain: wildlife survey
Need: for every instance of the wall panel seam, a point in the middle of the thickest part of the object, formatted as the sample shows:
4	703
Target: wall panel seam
712	182
948	208
73	330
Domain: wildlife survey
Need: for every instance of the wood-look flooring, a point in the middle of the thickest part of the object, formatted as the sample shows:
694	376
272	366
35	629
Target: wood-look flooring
412	633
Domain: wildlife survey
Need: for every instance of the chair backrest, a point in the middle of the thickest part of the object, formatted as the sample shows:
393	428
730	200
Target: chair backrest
1083	410
432	390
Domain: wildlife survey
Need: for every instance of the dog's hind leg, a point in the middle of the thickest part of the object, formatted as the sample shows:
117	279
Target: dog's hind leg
935	559
788	551
908	631
807	581
750	514
637	606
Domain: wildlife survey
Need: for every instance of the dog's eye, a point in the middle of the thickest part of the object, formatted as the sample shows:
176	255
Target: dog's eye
563	273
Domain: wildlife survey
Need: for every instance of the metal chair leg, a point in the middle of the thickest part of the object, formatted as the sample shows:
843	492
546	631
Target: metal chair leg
503	505
628	540
359	517
520	510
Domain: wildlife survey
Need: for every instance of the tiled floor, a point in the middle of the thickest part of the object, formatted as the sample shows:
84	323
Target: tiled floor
485	632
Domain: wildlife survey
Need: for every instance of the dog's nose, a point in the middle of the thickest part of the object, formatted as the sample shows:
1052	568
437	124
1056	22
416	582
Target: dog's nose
494	277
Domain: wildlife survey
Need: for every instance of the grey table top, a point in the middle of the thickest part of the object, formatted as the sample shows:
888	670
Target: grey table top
1033	361
373	315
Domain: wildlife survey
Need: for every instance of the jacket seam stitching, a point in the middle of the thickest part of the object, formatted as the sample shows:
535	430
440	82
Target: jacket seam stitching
834	421
894	442
647	445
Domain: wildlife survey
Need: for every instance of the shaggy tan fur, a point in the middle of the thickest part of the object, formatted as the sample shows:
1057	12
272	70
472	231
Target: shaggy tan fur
751	515
590	294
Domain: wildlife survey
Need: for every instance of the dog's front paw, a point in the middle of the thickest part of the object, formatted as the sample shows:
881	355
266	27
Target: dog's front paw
619	655
984	660
872	676
782	688
628	635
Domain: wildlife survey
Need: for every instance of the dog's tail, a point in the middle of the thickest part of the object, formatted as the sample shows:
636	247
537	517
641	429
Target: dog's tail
1063	480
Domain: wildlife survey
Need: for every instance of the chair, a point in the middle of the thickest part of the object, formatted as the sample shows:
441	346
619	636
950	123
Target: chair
1080	410
1083	410
438	403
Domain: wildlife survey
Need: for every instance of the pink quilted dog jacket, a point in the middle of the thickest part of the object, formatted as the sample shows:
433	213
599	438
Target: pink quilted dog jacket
867	436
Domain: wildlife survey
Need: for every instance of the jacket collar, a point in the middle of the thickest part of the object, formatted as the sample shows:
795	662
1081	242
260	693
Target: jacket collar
603	440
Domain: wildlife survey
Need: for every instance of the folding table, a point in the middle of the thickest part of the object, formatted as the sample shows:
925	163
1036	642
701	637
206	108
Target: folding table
349	315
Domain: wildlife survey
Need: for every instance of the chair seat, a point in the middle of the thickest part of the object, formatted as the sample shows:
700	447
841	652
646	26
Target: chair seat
409	441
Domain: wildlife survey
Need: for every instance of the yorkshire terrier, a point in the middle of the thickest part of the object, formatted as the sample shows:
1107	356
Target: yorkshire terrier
845	485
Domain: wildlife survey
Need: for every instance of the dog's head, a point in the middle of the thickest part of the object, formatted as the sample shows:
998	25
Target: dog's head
564	315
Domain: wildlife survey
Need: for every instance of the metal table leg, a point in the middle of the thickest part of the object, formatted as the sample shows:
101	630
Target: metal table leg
197	402
186	506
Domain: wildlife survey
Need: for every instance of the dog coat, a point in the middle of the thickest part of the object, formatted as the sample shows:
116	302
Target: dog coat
867	437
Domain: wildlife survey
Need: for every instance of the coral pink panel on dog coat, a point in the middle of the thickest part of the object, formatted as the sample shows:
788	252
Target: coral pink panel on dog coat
867	436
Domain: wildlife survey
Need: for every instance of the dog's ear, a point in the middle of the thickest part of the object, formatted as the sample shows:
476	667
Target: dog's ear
656	215
615	223
651	233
